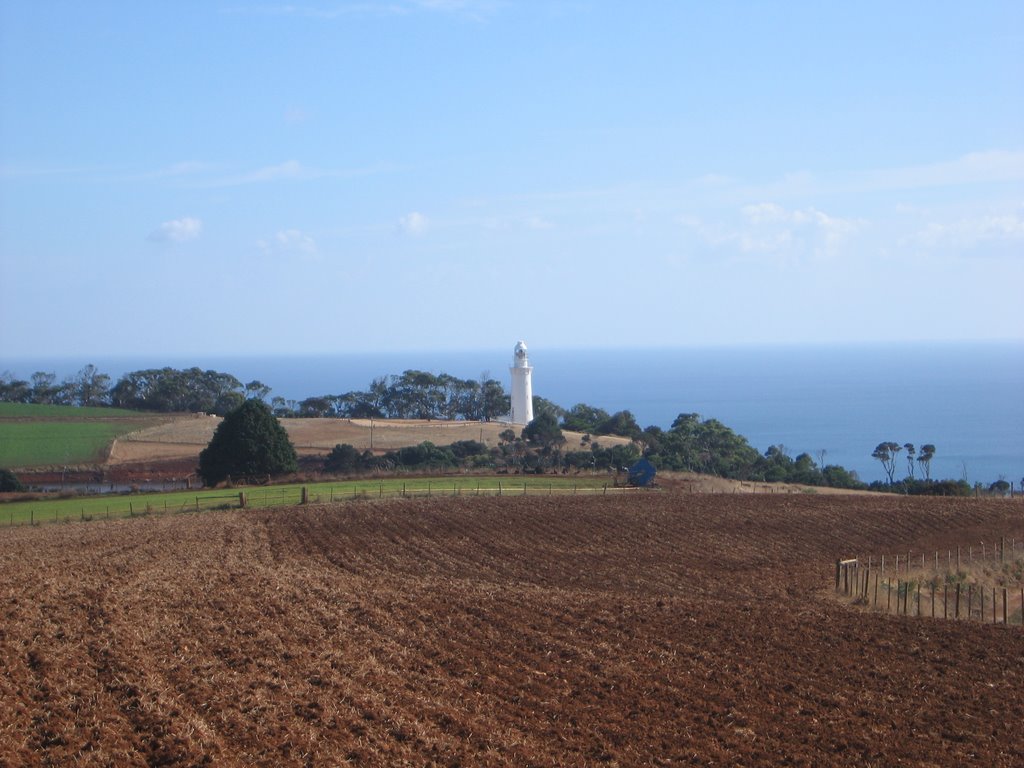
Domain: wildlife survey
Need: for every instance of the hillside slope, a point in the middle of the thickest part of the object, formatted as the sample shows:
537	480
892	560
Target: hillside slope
185	437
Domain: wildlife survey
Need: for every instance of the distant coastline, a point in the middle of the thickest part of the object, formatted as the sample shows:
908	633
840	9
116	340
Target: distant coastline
967	398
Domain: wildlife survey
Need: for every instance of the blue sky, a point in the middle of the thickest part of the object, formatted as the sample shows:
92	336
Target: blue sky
245	177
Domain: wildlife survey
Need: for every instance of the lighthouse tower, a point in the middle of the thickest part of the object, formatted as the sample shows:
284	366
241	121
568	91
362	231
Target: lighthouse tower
522	386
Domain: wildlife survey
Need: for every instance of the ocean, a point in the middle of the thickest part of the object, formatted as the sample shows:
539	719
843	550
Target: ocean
967	399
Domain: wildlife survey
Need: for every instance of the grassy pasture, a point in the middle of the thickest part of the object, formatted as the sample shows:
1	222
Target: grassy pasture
103	506
42	435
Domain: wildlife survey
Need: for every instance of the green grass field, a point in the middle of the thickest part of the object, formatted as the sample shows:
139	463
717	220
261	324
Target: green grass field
51	435
100	506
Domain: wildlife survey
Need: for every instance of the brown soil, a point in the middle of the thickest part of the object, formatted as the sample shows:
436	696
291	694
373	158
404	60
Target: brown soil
656	629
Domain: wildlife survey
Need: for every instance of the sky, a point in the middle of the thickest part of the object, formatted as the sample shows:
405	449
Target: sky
246	177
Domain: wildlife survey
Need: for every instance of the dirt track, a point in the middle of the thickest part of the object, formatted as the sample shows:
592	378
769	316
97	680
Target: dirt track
654	630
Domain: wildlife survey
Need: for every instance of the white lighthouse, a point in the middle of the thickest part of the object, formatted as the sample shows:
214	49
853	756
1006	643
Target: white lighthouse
522	386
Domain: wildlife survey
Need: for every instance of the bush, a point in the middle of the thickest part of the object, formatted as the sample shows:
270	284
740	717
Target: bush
249	444
343	458
9	483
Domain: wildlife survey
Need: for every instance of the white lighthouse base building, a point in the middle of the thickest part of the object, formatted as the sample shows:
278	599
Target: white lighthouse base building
522	386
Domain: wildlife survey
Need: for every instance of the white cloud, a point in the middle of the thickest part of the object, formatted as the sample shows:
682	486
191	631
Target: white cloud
414	223
769	228
289	242
177	230
969	232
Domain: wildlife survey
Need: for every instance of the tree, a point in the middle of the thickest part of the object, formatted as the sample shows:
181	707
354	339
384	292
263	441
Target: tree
544	434
543	405
909	448
495	403
248	444
169	391
584	418
543	431
621	423
886	455
14	390
1000	487
257	389
344	458
90	387
924	458
9	483
45	389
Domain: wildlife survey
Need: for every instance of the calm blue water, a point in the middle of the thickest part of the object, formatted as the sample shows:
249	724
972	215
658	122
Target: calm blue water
966	399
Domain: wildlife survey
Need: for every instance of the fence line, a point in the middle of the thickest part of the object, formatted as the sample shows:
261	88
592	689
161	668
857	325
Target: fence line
947	593
266	498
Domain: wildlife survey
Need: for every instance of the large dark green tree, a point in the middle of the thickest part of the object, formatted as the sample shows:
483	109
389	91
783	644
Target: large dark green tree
249	444
8	481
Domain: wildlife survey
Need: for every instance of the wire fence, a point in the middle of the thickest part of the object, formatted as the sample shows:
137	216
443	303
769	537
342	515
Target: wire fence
110	507
982	582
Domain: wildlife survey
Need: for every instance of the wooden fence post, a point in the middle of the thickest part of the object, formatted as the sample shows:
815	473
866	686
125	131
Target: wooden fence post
956	615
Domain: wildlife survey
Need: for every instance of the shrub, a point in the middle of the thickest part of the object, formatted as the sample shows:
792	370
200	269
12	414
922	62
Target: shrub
9	483
248	444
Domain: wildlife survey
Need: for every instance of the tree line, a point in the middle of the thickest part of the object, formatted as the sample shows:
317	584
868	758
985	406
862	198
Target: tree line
411	395
691	443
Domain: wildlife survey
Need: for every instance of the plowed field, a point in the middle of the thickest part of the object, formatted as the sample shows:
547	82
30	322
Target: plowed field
657	629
